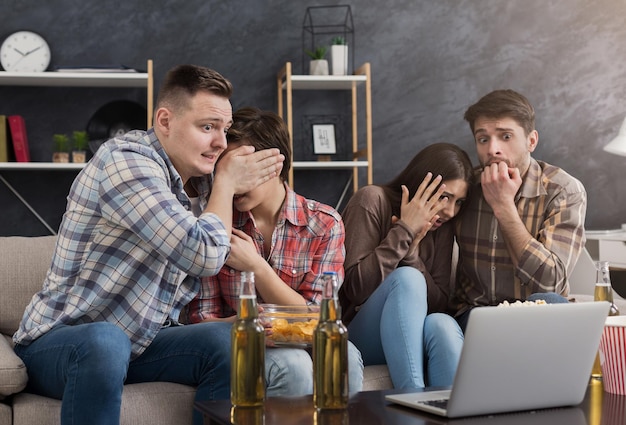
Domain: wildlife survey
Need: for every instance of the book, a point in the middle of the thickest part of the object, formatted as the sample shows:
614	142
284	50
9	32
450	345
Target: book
4	140
18	135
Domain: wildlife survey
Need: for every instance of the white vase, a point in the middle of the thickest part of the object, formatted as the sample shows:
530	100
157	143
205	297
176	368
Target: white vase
339	59
318	67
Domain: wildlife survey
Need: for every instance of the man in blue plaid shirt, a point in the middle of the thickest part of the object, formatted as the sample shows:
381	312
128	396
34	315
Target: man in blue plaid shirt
138	232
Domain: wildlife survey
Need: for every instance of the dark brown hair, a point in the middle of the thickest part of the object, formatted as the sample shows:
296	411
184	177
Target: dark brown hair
263	130
503	104
185	81
445	159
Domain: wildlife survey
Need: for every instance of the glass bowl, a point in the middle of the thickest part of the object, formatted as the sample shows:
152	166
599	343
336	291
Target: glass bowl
291	325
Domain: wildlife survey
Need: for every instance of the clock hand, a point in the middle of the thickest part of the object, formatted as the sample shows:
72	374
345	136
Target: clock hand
32	51
19	52
18	61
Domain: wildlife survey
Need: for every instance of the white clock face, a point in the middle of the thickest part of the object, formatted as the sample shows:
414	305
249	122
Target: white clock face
25	51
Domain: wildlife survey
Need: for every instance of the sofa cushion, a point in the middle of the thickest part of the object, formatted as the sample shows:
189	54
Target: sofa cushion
154	403
24	262
6	414
376	377
13	376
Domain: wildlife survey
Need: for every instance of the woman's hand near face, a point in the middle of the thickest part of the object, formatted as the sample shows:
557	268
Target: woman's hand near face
420	212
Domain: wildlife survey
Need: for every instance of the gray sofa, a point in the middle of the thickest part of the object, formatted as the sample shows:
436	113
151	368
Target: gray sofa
23	265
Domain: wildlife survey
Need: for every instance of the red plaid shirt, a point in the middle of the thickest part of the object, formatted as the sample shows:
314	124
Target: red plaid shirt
307	241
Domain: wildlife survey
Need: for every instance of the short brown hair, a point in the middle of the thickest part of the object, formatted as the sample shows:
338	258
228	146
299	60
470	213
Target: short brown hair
185	81
503	104
263	130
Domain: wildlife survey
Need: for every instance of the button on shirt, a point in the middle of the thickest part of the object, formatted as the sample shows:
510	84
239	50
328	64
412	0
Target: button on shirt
552	205
307	241
128	251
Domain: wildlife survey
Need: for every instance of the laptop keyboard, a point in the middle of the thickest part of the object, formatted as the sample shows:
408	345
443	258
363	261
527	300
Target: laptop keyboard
442	403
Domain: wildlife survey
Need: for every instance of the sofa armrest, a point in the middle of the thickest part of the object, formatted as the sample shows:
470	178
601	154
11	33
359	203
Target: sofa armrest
13	376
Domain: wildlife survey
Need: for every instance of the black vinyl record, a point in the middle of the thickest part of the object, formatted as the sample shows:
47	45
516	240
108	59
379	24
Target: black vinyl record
115	119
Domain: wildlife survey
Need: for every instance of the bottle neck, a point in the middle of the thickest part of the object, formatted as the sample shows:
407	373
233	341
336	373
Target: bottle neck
603	277
329	309
247	307
247	297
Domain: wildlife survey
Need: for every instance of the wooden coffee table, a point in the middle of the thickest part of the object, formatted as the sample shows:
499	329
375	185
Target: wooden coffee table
371	408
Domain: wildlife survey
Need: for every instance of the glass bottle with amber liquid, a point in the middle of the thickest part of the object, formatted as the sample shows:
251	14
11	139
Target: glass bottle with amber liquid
247	364
247	415
603	291
330	351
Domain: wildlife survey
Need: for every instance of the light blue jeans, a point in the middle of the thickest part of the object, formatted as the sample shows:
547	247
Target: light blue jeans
289	371
393	327
87	365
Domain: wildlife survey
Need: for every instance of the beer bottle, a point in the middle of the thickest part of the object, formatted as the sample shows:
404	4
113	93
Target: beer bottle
247	364
247	415
330	351
603	291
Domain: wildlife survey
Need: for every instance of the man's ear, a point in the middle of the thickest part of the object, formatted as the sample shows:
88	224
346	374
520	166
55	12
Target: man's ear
162	120
533	140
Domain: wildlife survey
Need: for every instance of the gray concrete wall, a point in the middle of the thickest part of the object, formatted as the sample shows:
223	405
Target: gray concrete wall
430	60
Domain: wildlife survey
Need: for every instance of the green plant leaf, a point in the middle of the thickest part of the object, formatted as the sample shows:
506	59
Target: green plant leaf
61	142
318	53
80	140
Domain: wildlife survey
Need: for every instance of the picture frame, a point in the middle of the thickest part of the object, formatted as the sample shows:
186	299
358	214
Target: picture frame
324	142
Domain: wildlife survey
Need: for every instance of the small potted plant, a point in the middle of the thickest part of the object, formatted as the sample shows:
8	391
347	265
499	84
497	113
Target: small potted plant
319	65
80	141
339	56
61	148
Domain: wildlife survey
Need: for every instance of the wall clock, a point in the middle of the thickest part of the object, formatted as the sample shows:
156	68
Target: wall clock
25	51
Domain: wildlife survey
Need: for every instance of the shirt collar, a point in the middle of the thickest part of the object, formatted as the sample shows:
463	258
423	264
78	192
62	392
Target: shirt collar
531	184
201	184
154	142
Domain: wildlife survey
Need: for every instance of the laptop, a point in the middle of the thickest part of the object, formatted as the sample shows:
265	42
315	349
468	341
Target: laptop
519	358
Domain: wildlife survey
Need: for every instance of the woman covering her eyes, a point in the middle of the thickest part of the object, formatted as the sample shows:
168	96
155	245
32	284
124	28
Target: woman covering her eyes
399	245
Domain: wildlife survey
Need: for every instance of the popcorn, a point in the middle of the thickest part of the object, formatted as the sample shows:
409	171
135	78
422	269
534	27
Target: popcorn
519	303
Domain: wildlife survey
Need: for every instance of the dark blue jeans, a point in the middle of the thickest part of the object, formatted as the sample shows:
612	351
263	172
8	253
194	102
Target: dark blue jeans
86	366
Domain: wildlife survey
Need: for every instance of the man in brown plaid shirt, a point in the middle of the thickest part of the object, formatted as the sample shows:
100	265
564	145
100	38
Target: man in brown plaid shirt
523	228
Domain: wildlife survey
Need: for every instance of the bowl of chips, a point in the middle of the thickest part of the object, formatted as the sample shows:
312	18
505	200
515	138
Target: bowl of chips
291	325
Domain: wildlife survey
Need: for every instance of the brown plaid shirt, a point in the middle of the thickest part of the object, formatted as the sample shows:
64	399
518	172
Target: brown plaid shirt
552	205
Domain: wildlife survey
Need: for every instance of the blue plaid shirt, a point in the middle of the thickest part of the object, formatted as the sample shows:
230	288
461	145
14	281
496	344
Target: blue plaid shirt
129	249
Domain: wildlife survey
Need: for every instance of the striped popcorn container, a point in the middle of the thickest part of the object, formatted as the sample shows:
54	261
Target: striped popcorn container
613	355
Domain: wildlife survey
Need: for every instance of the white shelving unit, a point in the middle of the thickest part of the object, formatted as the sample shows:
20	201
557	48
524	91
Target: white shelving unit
608	245
78	79
40	166
361	151
72	79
